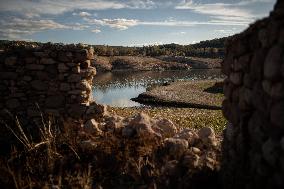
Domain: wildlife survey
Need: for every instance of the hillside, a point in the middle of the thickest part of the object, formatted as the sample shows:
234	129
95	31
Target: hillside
136	63
205	49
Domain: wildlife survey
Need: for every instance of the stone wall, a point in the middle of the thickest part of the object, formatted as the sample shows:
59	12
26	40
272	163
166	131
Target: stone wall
253	146
48	78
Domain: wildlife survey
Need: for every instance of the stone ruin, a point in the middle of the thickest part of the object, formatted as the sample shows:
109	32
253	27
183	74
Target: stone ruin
52	78
153	151
253	144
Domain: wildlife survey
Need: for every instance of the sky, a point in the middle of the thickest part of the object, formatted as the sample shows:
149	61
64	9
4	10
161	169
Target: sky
127	22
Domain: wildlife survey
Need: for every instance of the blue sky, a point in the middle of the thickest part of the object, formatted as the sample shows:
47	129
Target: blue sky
127	22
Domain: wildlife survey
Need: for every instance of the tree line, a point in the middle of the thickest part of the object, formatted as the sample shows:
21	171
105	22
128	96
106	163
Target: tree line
208	49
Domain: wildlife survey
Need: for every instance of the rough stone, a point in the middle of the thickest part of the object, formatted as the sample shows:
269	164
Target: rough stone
47	61
8	75
64	87
89	72
128	132
77	110
256	65
170	168
56	101
282	143
191	161
34	67
236	78
31	60
40	54
176	147
207	135
269	152
277	114
27	78
76	69
97	110
142	125
206	132
39	85
62	68
74	78
277	90
266	85
12	103
248	81
86	64
272	64
165	127
263	37
65	56
84	85
11	61
195	150
75	92
92	127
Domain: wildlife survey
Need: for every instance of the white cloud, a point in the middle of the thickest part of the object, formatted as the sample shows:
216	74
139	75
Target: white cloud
118	23
247	2
82	14
61	6
179	33
123	23
220	11
192	23
96	31
77	26
17	28
225	31
141	4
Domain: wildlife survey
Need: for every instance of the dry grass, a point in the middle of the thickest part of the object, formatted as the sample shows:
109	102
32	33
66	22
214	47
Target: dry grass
182	117
41	163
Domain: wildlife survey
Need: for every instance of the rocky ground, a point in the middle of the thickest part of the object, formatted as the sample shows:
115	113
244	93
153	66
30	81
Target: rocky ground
112	151
194	94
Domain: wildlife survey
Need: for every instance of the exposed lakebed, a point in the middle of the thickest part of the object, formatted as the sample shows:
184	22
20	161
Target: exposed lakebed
118	87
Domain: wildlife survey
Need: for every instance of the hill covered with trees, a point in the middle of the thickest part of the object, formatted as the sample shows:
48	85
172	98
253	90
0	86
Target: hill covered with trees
205	49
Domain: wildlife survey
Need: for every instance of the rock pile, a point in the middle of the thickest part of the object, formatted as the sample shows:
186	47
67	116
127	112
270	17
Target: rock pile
253	152
52	78
153	151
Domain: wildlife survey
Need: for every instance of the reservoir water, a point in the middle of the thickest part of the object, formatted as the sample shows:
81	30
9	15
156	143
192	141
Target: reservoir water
118	87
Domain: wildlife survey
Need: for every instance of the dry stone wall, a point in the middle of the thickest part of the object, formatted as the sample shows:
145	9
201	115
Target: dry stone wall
48	78
253	146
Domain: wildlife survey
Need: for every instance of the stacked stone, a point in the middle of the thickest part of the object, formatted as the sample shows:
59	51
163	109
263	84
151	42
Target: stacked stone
253	146
50	78
181	158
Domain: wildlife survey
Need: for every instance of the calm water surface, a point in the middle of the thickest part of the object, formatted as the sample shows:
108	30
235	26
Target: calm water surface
117	88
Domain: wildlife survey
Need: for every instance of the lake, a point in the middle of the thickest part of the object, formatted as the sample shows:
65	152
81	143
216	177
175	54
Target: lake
118	87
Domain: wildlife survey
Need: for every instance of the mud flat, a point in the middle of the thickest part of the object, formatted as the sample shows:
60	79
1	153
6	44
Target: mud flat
205	94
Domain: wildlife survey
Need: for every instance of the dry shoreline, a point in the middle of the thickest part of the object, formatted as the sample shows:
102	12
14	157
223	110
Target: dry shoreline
205	94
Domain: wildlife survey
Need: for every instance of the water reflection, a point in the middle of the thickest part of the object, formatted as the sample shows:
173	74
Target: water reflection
117	88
